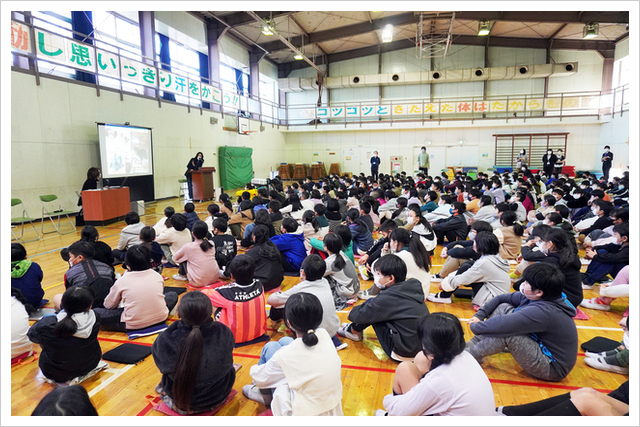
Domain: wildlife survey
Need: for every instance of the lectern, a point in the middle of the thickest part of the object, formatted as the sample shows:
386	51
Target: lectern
202	184
105	206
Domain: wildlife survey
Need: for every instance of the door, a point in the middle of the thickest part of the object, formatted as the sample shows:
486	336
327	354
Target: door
436	159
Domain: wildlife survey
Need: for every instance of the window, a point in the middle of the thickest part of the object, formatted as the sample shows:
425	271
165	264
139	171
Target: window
56	23
268	98
235	81
184	62
117	33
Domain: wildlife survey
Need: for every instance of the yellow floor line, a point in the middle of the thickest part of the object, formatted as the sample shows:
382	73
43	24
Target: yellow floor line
52	286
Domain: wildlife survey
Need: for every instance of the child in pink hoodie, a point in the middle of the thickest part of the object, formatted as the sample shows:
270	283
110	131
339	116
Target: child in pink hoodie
198	259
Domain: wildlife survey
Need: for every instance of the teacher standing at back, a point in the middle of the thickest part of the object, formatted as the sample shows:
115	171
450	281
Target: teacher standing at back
193	165
375	164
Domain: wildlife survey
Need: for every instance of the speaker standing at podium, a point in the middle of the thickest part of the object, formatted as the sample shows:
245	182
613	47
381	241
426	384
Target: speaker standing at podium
92	183
193	165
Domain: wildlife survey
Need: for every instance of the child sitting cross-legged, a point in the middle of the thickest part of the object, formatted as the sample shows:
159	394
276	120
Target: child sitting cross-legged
69	340
311	273
393	313
140	289
26	275
240	304
535	324
197	259
443	379
299	376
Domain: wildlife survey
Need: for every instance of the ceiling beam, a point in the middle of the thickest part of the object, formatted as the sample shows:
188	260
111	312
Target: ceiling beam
550	16
241	18
346	31
605	48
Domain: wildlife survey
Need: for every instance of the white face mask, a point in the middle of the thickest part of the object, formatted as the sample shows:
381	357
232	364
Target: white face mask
528	295
548	152
472	235
576	196
376	281
606	150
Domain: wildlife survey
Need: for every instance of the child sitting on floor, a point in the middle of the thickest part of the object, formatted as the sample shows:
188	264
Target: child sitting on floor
192	216
161	225
240	304
195	357
69	340
443	379
129	236
148	237
301	376
26	275
340	272
311	273
198	259
140	290
226	245
173	238
393	313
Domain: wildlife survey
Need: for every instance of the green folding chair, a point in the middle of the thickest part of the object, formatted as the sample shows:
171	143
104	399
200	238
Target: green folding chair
52	207
183	187
21	220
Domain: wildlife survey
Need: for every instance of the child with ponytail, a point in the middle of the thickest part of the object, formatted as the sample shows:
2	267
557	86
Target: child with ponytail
409	247
341	272
195	358
290	386
69	340
198	259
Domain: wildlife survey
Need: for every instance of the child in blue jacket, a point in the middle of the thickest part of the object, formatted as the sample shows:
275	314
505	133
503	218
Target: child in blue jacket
291	246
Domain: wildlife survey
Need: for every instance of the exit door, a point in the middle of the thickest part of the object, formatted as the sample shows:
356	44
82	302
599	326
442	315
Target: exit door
357	159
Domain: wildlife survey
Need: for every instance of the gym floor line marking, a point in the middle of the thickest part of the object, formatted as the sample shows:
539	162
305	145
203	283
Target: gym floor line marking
59	249
52	286
117	374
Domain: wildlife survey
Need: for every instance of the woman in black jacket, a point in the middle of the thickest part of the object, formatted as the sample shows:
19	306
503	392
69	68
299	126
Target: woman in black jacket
195	358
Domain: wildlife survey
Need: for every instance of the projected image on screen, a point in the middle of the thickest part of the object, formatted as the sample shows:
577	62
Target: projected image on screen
125	151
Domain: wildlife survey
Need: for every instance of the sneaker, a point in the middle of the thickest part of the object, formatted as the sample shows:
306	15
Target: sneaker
179	277
600	363
380	413
252	392
585	261
237	366
169	265
352	301
513	275
366	294
345	331
476	307
435	278
101	366
596	304
398	358
585	286
437	298
165	278
364	273
592	355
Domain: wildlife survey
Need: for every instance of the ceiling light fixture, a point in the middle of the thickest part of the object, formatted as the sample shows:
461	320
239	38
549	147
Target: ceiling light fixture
590	30
387	33
484	27
267	28
299	55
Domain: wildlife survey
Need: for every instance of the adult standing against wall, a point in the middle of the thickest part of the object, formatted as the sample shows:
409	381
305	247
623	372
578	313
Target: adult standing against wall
193	165
560	162
521	160
375	164
607	159
423	161
549	162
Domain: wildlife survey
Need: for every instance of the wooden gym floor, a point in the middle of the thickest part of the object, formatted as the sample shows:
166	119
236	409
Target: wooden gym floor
122	390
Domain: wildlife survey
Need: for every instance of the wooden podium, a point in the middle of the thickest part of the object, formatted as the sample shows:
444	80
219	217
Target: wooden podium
105	206
202	184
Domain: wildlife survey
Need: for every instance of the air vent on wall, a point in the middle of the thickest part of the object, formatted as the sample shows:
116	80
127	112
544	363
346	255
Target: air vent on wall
356	79
436	75
395	77
569	67
523	70
479	72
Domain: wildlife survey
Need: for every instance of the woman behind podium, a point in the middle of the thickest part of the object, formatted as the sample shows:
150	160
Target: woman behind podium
93	177
193	165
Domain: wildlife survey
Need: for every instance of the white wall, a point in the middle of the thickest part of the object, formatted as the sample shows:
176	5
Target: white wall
588	77
585	141
616	134
54	138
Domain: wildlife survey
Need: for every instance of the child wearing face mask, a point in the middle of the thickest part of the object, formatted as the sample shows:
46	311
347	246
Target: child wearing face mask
393	314
534	324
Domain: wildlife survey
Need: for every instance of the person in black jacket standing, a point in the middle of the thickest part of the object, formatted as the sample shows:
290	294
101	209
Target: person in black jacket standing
193	165
375	163
607	159
549	162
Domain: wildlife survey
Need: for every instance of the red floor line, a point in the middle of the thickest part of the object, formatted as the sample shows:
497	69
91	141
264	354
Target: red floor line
365	368
544	385
147	408
125	342
250	356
